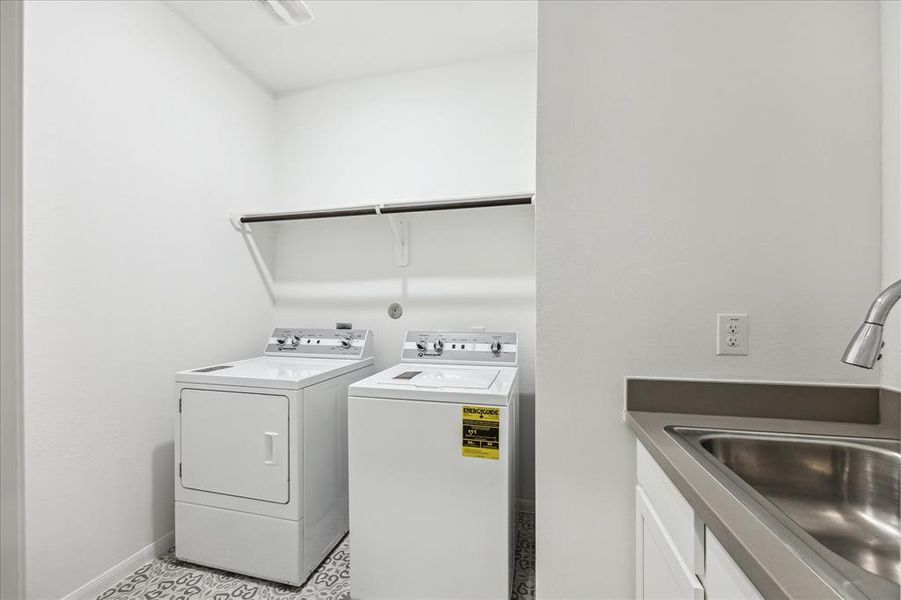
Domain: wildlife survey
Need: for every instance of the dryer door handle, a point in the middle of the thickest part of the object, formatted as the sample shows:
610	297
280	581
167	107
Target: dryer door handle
270	445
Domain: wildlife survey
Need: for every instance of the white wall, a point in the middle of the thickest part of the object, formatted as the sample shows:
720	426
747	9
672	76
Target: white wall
891	184
138	138
10	297
462	130
693	158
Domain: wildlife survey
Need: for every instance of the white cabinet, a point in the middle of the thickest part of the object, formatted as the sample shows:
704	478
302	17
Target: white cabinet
724	580
661	573
674	550
675	513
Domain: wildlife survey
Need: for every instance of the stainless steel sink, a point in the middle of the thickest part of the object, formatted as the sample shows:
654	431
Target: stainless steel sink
835	500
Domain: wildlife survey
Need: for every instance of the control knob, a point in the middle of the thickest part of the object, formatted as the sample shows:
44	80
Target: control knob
496	347
347	342
422	346
438	345
292	340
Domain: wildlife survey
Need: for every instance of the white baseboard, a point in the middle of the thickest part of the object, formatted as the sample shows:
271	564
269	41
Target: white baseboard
105	580
527	506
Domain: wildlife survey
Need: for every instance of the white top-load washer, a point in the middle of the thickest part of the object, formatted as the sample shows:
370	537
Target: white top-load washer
432	463
260	450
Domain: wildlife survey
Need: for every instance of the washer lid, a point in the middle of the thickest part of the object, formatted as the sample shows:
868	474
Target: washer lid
285	373
441	383
476	379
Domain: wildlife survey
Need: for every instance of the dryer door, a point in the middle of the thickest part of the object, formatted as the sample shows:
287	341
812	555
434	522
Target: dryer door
235	443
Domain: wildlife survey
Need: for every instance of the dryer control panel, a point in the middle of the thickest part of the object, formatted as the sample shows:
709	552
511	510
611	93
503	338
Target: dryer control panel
320	343
461	348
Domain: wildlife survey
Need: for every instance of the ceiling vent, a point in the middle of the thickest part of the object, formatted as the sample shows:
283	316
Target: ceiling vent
287	13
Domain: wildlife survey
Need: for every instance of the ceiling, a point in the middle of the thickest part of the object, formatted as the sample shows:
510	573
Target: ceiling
354	39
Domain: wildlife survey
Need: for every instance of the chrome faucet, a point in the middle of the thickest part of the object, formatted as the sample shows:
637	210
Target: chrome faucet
864	348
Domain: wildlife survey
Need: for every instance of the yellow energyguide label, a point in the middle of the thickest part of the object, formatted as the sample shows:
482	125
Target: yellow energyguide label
482	432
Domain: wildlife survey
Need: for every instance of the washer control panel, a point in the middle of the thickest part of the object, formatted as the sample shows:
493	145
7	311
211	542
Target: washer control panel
465	348
320	343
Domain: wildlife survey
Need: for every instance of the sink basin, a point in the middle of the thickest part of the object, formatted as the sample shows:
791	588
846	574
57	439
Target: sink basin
835	500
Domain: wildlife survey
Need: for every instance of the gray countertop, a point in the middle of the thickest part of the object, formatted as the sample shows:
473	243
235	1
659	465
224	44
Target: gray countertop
776	570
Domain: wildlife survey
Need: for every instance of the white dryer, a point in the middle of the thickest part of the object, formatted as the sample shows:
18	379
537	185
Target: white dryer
432	463
260	450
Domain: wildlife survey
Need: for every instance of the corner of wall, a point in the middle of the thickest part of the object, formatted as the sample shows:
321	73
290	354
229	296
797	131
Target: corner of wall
890	16
12	564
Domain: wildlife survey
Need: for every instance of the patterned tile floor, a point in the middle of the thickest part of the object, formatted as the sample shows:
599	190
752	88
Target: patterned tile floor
167	578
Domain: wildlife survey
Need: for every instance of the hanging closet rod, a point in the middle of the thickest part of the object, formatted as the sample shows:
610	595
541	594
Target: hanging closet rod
309	214
391	208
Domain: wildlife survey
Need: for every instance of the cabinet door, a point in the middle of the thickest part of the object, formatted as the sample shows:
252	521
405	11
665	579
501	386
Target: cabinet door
723	579
661	573
235	443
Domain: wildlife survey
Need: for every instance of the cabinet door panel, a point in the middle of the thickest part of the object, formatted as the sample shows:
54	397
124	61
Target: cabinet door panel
723	578
661	573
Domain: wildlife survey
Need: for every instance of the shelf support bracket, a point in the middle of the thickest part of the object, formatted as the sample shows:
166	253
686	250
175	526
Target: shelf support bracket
259	262
234	217
400	227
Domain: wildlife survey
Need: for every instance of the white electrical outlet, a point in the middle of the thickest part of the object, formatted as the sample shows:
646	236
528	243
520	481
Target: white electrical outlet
732	334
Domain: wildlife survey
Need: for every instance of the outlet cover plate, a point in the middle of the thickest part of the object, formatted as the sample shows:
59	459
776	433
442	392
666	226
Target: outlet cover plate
732	334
